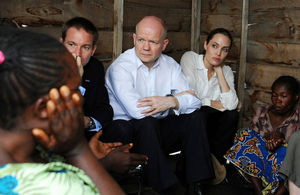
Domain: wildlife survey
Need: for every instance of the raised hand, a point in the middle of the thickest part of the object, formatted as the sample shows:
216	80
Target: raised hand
66	137
65	116
101	149
120	160
79	65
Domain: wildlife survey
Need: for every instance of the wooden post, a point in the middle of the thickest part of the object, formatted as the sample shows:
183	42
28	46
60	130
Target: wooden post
118	28
195	27
243	55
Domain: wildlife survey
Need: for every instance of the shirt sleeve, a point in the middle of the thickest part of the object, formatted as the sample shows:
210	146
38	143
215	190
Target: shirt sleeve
254	123
188	103
97	124
187	63
229	100
121	83
206	102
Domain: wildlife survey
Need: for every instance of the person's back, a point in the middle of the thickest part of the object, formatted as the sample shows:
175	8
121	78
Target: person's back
41	104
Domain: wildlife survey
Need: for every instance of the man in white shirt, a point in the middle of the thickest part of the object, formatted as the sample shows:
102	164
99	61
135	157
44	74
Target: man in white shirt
144	86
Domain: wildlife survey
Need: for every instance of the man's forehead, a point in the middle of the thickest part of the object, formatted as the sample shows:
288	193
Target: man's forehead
79	35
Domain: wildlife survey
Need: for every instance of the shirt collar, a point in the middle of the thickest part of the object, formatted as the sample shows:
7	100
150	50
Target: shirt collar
265	115
140	63
200	65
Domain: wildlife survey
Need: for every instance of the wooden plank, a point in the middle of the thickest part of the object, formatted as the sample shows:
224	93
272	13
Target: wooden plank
254	99
57	12
262	76
177	4
260	52
195	25
228	7
118	28
210	22
275	25
177	20
258	5
243	55
100	12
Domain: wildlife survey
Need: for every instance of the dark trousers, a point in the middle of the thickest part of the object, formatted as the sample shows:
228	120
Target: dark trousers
221	129
156	138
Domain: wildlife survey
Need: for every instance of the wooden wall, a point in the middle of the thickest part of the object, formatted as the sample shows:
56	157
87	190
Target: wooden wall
48	16
273	48
272	45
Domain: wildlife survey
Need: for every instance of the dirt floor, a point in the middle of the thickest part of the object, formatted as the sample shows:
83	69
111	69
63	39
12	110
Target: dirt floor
236	185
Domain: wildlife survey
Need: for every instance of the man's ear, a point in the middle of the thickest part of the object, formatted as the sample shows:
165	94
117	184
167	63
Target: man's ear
165	43
94	49
40	107
61	40
134	37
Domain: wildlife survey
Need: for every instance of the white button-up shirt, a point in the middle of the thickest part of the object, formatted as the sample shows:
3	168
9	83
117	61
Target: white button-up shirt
196	73
128	80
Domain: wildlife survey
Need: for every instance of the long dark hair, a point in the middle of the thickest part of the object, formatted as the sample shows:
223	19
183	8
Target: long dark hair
219	31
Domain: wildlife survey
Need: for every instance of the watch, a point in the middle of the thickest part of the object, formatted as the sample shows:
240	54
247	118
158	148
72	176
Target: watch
169	95
91	124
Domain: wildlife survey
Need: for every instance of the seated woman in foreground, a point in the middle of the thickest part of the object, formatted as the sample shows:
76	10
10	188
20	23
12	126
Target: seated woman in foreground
258	151
41	104
214	83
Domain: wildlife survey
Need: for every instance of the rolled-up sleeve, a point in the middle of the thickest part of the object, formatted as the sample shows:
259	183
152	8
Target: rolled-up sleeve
229	100
188	103
123	95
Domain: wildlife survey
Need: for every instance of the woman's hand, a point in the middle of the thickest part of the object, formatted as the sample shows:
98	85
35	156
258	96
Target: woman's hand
274	140
239	107
66	132
66	137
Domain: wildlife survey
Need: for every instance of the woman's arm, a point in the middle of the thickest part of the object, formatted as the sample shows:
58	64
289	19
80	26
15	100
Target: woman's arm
221	79
228	97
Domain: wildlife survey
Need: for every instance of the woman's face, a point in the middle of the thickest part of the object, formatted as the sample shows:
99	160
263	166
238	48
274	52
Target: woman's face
216	50
283	99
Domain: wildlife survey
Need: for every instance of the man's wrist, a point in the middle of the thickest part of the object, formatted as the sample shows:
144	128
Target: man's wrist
91	124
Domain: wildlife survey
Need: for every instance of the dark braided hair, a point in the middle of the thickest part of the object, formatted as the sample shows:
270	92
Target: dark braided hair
32	66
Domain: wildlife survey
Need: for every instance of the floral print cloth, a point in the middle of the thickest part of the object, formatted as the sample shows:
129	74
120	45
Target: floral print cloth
251	157
55	178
